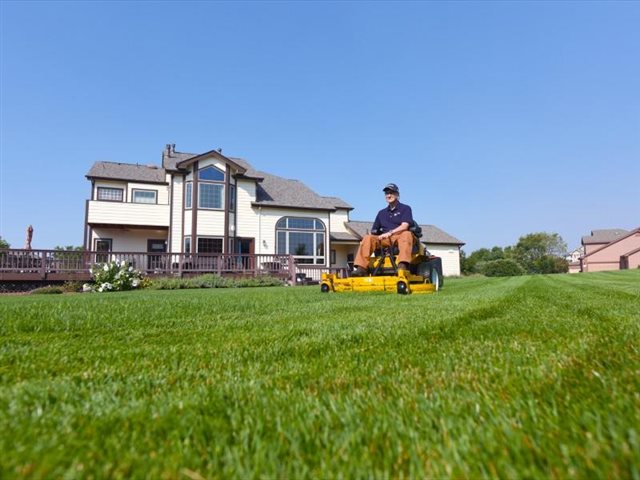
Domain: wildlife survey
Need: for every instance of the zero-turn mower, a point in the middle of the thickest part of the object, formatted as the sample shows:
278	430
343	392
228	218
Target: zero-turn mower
424	274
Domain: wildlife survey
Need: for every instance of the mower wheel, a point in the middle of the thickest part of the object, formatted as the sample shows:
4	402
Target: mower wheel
324	288
402	288
435	279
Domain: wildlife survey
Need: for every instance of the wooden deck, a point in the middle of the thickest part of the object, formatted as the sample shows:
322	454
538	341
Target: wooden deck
17	265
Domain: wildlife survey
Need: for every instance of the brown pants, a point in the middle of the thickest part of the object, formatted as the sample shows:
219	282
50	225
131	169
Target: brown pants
370	242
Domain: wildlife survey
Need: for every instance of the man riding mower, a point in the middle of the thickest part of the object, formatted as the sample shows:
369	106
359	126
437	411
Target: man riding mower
422	275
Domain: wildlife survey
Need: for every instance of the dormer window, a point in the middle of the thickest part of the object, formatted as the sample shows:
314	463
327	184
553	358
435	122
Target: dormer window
210	174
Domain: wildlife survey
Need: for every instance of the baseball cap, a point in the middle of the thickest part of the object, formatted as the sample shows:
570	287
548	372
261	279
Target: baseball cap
391	187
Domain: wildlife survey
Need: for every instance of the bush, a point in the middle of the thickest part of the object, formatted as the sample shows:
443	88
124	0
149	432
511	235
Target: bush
48	290
212	281
72	287
114	276
504	267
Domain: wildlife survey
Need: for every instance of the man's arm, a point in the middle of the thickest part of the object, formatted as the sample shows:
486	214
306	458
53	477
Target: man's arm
400	228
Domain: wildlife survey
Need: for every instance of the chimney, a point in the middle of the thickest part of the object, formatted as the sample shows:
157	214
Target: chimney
167	150
173	148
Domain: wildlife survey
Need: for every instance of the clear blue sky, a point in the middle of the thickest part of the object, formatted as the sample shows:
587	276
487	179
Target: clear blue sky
496	119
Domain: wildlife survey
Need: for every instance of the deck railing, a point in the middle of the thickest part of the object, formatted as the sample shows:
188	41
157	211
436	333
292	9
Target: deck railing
62	265
17	264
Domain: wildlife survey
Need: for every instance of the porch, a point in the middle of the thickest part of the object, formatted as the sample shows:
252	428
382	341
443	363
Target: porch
18	265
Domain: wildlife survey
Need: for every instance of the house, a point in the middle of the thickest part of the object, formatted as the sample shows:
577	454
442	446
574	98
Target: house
614	249
212	203
573	258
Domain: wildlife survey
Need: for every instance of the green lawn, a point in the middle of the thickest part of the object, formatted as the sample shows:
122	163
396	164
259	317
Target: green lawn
519	377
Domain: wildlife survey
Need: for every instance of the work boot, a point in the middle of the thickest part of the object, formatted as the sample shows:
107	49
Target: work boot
359	272
403	266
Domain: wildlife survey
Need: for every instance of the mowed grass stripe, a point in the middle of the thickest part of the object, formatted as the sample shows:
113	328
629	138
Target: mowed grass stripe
486	378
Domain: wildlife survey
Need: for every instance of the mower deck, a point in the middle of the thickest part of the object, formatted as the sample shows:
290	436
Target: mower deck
403	283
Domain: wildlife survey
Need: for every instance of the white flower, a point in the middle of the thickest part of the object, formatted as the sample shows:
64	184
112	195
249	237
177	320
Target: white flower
106	267
131	269
135	282
86	287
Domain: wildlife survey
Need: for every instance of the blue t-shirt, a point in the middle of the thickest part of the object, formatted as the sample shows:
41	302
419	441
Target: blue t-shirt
388	219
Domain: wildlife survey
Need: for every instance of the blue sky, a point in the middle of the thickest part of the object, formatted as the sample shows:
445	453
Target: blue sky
496	119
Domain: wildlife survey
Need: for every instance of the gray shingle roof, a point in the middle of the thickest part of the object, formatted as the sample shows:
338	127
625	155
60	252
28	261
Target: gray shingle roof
430	233
342	236
276	191
604	236
127	171
271	190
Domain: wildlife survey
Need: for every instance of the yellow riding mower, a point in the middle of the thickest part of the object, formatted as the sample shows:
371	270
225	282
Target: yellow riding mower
424	274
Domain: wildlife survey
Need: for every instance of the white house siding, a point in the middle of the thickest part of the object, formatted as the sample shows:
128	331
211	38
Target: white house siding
266	239
232	224
450	255
162	196
247	225
337	220
188	221
341	254
119	213
210	223
176	221
127	240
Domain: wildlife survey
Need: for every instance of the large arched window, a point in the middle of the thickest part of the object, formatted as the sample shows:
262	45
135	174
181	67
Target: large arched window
301	237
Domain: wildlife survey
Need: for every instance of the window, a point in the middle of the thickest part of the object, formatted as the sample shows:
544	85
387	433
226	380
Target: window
103	245
301	237
232	198
110	194
145	196
211	174
210	195
187	244
210	188
188	195
209	245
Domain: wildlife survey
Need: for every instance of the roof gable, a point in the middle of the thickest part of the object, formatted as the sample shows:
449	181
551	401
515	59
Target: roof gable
629	234
274	191
603	236
127	171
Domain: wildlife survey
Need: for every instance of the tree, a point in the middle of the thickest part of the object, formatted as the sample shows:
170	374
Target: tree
503	267
537	252
473	263
71	253
4	243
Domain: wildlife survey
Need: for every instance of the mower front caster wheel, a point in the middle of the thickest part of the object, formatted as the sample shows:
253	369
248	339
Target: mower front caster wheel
402	288
324	288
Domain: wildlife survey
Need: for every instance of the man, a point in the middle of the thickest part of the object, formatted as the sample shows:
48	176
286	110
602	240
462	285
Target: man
392	225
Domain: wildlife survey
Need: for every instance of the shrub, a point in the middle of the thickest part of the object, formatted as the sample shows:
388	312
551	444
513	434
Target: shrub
48	290
212	281
504	267
72	287
115	276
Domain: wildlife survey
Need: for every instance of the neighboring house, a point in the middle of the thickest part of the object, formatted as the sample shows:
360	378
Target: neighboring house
611	250
573	258
211	203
